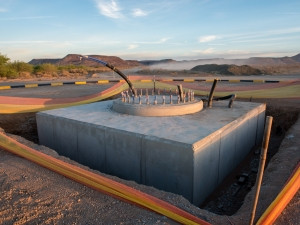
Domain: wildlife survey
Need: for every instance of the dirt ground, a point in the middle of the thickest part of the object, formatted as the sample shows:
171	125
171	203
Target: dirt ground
31	194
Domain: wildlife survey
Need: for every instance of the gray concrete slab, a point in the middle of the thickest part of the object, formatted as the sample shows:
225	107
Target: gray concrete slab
188	155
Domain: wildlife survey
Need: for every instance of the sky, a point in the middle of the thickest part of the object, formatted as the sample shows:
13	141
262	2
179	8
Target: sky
154	29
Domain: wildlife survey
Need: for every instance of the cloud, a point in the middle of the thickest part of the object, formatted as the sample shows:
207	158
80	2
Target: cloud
132	46
207	38
109	8
139	12
163	40
260	35
160	41
205	51
237	52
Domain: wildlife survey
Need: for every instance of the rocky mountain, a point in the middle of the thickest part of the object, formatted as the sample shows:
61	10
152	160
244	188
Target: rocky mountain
226	69
296	57
74	59
42	61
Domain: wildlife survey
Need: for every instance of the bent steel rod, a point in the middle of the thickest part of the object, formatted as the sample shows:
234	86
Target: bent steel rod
114	69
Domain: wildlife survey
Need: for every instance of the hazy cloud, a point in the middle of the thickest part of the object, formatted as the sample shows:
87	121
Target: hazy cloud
26	42
205	51
109	8
162	40
132	46
241	52
207	38
139	12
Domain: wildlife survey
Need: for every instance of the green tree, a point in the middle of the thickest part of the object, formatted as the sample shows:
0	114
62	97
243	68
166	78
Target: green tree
14	69
3	66
3	59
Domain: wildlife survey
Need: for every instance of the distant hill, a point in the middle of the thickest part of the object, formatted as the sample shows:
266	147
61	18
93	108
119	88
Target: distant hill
154	62
42	61
268	63
74	59
226	69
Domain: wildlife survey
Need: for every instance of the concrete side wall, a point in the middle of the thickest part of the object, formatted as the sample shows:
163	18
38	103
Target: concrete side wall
123	154
91	146
72	139
147	160
223	151
168	166
45	130
206	169
260	127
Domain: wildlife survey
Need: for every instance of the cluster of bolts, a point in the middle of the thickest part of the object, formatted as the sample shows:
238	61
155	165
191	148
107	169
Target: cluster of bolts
165	98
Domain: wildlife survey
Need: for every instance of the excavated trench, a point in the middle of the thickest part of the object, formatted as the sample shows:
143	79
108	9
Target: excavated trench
229	196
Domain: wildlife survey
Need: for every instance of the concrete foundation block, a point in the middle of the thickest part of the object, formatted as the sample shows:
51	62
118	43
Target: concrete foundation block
188	155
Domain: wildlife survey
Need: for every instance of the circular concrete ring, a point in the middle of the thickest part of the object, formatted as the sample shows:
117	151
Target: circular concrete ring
157	110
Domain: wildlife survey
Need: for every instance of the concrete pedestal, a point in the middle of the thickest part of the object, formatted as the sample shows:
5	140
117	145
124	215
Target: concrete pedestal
187	155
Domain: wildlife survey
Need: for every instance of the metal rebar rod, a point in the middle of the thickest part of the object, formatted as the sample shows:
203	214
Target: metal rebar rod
154	87
113	69
262	162
233	97
180	92
211	94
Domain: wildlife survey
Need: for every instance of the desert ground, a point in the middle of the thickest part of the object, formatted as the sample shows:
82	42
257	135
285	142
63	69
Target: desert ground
31	194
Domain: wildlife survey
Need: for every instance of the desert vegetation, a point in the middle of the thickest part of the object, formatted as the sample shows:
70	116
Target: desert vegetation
13	69
17	69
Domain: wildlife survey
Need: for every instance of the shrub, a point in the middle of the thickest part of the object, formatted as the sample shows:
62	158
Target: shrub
11	73
45	68
3	70
13	70
22	67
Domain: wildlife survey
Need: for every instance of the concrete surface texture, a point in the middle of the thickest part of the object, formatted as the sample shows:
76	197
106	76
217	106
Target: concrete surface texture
187	155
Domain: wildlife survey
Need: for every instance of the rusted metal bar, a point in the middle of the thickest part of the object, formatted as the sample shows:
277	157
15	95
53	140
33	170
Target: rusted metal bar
233	97
180	92
113	69
211	94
